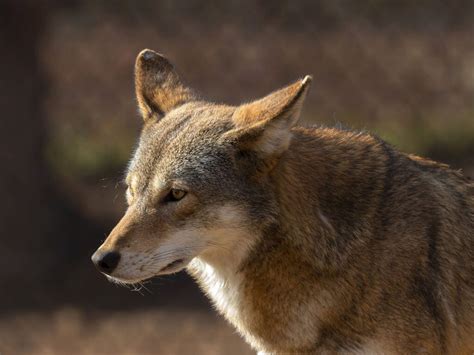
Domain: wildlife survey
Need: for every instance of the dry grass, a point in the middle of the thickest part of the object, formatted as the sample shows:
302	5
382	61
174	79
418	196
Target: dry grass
71	331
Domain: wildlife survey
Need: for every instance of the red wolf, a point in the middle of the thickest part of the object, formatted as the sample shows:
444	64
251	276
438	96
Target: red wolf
308	240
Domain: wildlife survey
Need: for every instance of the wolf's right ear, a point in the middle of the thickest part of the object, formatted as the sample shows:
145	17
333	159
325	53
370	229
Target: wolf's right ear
264	126
157	85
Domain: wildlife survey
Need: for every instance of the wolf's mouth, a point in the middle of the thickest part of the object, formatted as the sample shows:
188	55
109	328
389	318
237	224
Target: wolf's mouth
172	266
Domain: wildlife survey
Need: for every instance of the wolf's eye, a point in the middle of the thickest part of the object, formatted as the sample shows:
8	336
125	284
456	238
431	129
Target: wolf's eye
175	195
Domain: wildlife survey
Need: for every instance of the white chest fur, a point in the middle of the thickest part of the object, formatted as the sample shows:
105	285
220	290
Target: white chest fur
222	285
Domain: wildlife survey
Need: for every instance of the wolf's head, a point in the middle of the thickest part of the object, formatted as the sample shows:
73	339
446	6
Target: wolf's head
199	184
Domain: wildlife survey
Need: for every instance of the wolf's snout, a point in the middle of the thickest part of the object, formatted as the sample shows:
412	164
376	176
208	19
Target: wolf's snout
106	262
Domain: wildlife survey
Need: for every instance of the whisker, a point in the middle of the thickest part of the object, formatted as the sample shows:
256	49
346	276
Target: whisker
137	287
145	288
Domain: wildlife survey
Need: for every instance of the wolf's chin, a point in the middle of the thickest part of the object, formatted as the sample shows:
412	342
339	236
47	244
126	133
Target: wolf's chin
123	281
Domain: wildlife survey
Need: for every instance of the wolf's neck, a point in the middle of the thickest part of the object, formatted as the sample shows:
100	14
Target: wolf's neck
297	181
327	186
221	280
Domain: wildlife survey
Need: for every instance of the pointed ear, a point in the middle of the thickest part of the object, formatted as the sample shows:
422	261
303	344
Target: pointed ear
157	85
264	125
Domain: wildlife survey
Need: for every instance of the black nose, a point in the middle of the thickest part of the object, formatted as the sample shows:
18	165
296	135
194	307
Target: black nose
106	262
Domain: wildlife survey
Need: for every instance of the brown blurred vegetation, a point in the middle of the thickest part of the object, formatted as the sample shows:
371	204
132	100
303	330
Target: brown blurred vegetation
403	69
68	331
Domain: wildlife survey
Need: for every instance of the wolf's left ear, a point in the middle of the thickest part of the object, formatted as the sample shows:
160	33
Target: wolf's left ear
263	126
157	85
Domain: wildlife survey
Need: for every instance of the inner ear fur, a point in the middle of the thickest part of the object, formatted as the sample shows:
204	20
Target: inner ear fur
157	85
263	126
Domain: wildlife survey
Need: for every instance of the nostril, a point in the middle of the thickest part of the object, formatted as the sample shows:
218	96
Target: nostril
106	262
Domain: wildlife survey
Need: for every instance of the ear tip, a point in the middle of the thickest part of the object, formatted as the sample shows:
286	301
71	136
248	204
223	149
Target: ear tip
307	80
149	55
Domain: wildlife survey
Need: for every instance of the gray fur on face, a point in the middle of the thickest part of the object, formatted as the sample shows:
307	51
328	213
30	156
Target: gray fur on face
187	146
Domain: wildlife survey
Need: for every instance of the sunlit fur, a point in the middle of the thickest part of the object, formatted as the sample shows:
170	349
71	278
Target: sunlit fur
308	240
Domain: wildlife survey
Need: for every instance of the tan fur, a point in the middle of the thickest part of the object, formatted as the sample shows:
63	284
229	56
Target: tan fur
308	240
157	85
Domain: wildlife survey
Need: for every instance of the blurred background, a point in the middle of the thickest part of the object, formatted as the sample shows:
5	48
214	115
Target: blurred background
402	69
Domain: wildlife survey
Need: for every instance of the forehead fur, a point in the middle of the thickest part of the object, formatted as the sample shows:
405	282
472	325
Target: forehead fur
183	143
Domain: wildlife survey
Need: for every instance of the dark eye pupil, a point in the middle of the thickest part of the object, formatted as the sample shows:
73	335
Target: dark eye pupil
176	195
